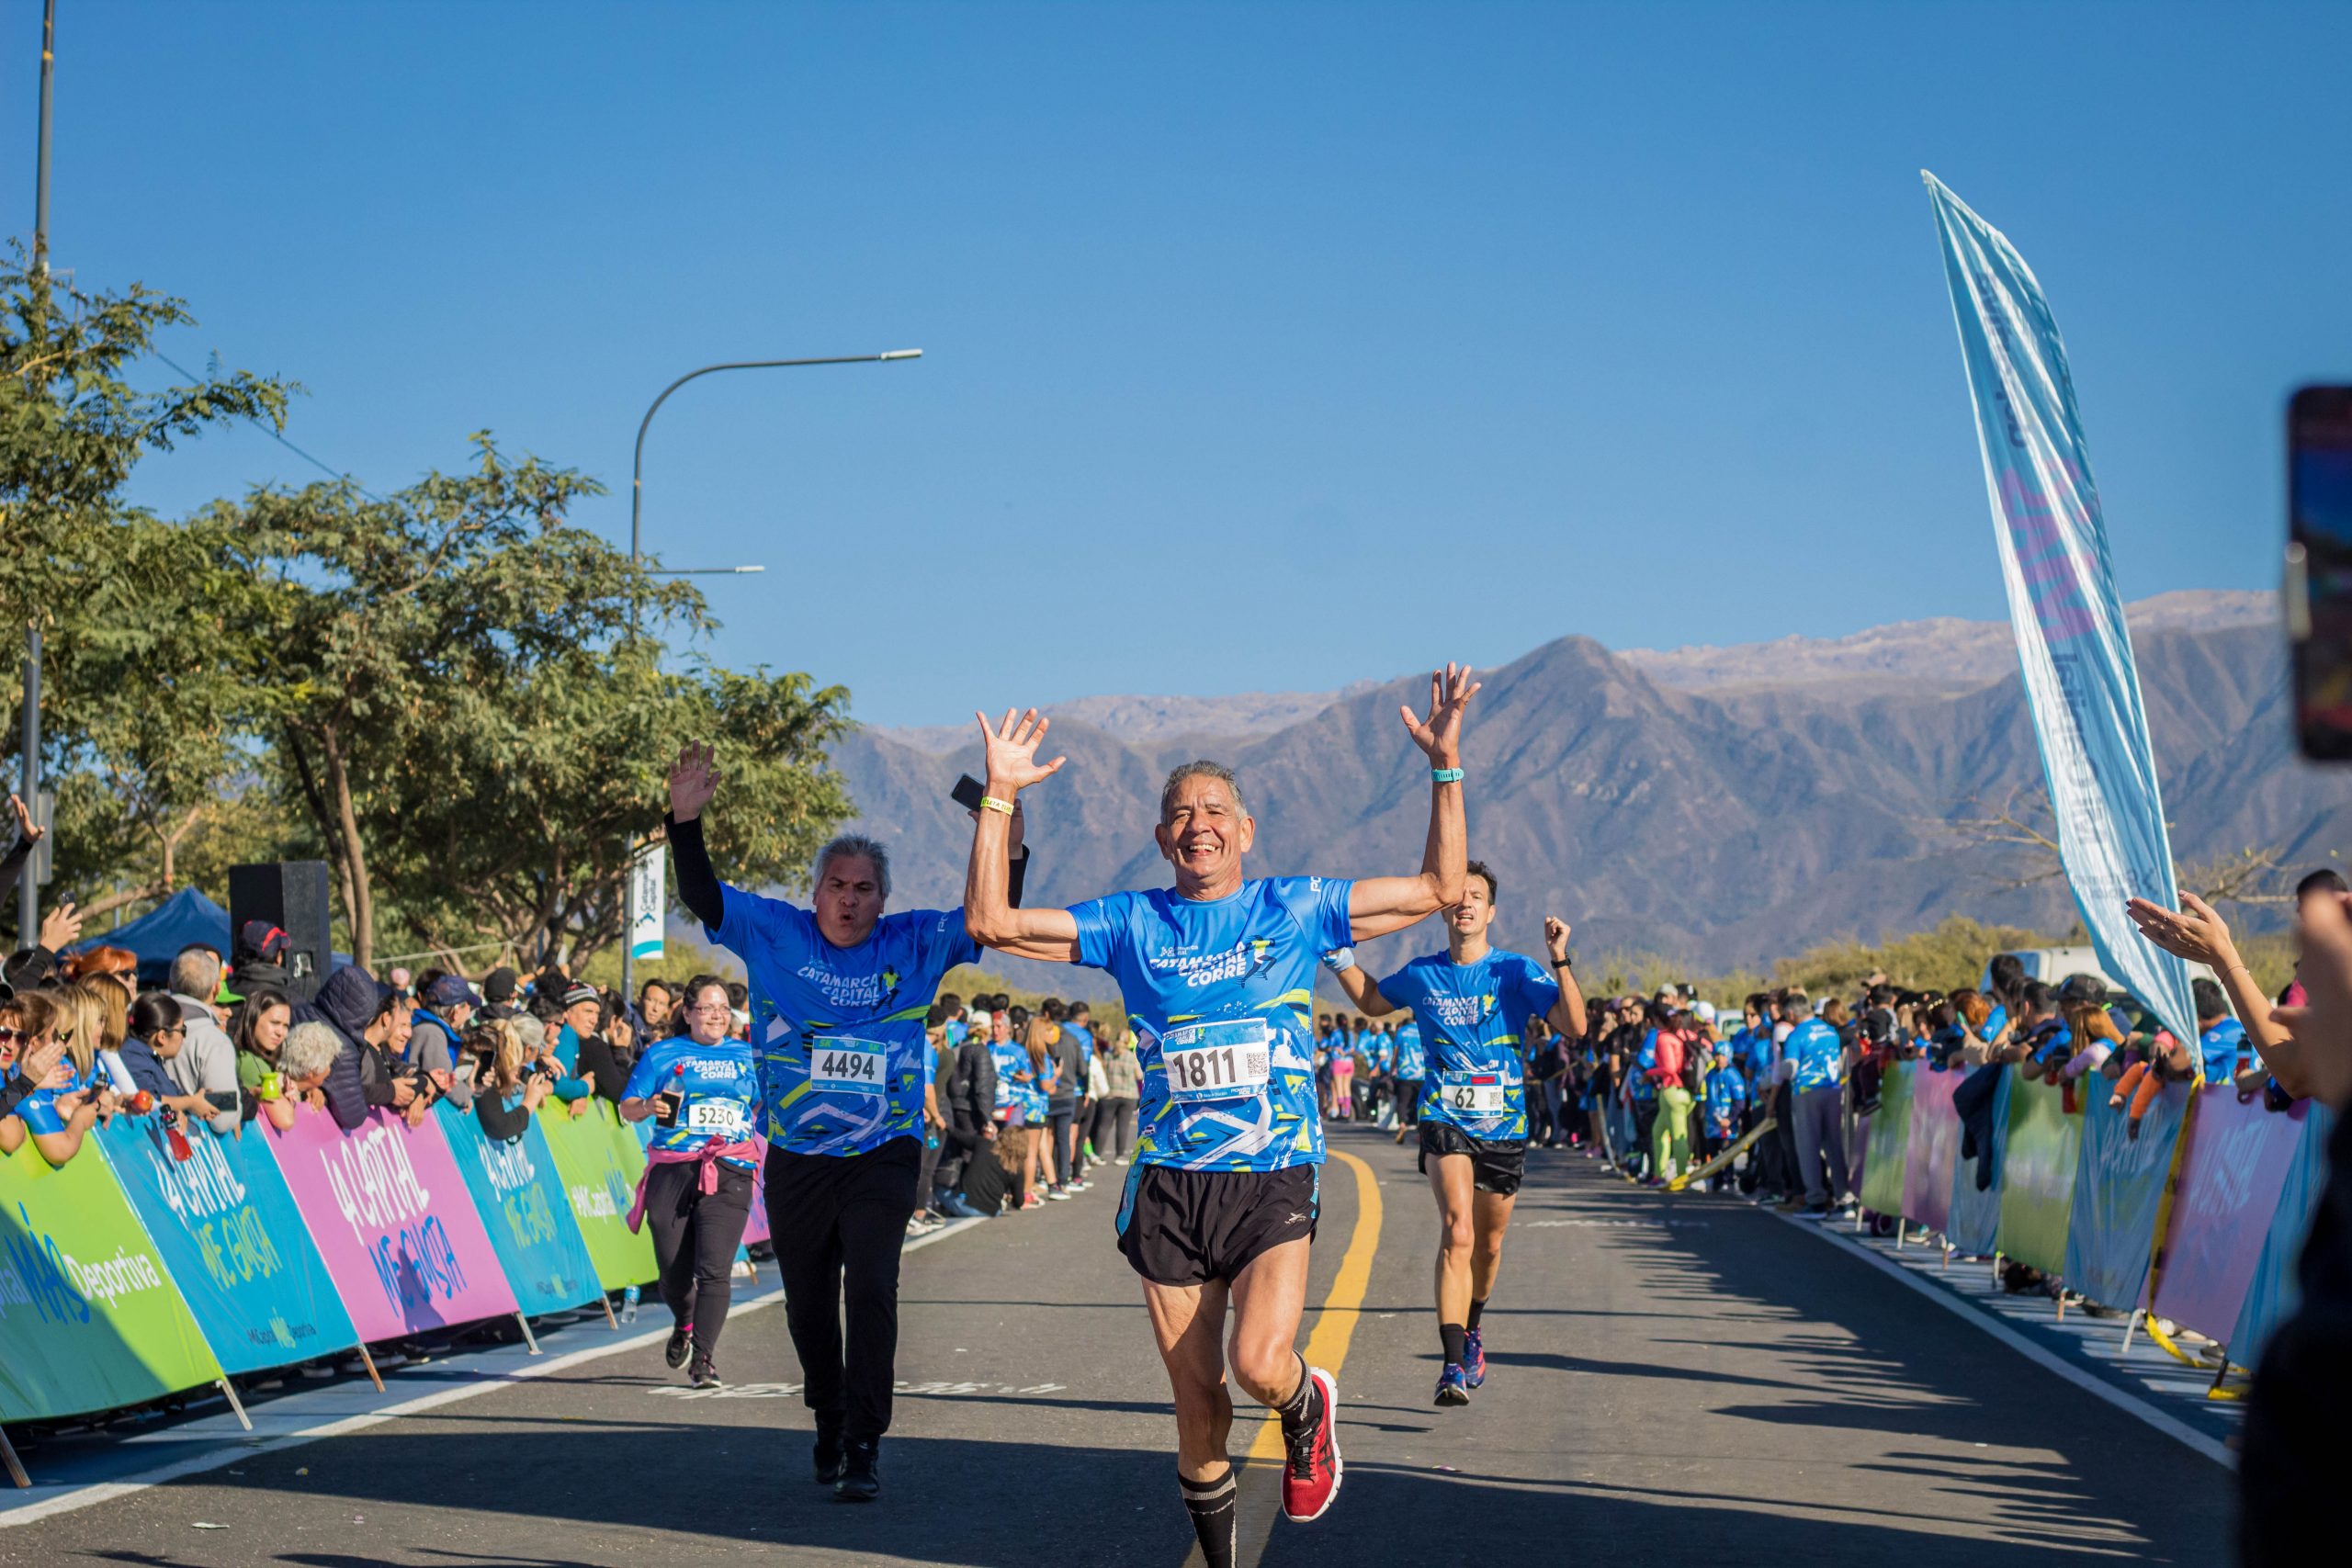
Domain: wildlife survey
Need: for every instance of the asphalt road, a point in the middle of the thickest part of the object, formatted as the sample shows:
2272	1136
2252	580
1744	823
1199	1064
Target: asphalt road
1675	1378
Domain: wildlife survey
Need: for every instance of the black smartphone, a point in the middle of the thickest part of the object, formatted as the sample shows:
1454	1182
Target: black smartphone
2318	589
967	793
665	1108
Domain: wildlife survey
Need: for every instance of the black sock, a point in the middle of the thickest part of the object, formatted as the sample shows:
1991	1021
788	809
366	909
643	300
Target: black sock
1300	1408
1211	1505
1477	1310
1451	1334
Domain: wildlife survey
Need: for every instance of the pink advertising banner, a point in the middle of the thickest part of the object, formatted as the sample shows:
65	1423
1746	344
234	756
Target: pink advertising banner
2229	1181
388	1211
1933	1145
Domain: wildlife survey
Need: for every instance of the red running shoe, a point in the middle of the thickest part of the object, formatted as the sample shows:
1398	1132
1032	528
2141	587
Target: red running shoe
1311	1475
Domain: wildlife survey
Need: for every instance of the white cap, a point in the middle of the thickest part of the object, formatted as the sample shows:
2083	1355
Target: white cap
1704	1011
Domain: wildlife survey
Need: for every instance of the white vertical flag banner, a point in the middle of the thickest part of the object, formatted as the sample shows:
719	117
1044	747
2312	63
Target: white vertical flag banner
649	900
2075	653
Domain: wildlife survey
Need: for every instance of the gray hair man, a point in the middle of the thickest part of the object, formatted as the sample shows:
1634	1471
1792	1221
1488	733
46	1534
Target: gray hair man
207	1065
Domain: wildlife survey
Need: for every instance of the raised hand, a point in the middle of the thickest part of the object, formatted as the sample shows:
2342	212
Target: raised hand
2195	932
1012	743
30	830
693	779
61	928
1441	735
1556	938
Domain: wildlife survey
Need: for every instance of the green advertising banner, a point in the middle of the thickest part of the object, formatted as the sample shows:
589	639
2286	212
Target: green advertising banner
1888	1154
2038	1163
89	1317
602	1184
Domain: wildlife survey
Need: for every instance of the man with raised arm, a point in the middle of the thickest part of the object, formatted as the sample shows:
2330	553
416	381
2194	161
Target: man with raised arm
1218	974
1473	1002
839	995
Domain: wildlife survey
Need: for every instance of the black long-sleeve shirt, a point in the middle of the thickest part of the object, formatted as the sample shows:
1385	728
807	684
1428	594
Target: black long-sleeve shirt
502	1124
597	1056
699	884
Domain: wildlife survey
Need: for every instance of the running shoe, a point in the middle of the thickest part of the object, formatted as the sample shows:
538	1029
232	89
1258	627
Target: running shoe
674	1352
1474	1359
1453	1386
860	1480
1035	1200
1311	1475
704	1373
1059	1194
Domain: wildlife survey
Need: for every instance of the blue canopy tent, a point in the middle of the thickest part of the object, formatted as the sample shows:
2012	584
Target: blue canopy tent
157	936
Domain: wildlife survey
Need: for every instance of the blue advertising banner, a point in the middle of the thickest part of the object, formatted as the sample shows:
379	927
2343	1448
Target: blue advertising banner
2118	1192
2073	647
226	1226
2272	1296
525	1211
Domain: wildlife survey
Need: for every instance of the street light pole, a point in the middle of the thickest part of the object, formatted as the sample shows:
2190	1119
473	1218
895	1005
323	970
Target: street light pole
29	880
636	557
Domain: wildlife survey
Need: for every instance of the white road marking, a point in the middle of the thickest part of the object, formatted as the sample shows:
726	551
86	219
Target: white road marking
2123	1400
236	1447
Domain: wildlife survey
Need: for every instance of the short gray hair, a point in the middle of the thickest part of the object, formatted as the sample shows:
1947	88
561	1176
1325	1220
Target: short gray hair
1199	768
310	1049
197	973
529	1031
860	845
1798	1006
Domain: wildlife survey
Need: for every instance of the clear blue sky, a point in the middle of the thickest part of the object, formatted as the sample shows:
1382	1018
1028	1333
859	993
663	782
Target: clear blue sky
1268	346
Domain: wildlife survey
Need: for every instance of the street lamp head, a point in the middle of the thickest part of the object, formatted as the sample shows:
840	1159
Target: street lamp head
904	354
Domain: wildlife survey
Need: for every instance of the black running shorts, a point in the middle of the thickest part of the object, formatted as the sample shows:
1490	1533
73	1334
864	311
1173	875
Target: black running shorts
1187	1227
1498	1164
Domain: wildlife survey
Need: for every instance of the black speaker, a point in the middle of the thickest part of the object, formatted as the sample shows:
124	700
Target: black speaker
292	895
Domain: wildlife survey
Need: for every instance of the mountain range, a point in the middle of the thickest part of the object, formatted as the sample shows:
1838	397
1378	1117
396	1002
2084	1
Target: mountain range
1722	807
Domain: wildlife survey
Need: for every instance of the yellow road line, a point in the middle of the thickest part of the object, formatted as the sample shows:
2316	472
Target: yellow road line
1327	1346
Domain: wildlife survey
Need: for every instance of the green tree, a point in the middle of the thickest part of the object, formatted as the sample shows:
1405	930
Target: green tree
453	695
116	594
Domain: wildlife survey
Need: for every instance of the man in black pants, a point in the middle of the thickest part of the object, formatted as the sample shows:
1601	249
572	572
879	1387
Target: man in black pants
839	996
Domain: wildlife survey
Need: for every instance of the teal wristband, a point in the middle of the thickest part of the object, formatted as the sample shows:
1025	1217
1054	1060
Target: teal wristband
1446	775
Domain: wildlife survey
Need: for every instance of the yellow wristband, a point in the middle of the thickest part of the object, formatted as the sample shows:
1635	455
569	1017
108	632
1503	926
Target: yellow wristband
991	802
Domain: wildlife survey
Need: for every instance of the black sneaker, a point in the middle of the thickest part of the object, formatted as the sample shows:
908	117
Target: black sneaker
674	1352
704	1373
860	1480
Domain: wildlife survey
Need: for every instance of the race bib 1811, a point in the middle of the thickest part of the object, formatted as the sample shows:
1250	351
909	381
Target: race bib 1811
1230	1059
840	1064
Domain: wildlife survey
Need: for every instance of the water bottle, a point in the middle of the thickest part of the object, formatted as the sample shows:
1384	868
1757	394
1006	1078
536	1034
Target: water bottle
629	1305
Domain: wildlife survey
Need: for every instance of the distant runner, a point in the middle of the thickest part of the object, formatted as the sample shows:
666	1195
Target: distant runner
1472	1004
702	1090
1218	974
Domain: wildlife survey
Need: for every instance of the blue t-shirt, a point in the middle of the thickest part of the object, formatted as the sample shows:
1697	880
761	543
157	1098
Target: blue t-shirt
2221	1048
1412	1059
1820	1059
840	1029
1724	1090
1017	1083
1220	994
1474	1017
1641	1084
1085	1037
721	1088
